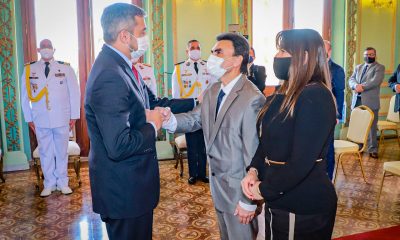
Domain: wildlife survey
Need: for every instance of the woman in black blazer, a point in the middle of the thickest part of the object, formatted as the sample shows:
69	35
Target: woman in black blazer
295	125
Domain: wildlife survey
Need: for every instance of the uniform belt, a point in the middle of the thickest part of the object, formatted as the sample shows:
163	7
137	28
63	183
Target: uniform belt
270	162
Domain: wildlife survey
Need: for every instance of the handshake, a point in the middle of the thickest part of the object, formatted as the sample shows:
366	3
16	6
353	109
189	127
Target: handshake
158	116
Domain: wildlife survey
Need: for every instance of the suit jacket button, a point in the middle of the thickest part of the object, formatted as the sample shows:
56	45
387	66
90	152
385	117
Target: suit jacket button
213	174
281	193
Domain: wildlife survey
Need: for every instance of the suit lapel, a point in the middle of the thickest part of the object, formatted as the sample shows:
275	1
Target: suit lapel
224	108
213	105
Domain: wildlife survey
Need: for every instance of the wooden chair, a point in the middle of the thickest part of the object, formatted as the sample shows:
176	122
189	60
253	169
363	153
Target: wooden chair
389	168
390	124
359	127
180	152
1	167
74	152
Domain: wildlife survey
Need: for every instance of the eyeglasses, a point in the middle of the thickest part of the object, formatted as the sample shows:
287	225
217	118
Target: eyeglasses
370	55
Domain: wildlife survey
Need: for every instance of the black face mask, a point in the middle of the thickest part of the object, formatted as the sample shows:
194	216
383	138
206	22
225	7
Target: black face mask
369	59
281	67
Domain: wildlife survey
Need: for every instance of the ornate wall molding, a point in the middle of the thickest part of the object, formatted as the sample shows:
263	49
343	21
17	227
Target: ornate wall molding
8	72
243	16
157	45
351	46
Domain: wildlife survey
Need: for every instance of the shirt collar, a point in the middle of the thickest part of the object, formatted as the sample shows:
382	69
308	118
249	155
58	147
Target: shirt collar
42	61
191	61
228	88
127	60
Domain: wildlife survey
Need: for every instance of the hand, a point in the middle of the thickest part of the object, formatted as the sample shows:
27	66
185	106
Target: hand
397	88
72	123
32	126
255	191
244	216
155	117
165	113
247	182
359	88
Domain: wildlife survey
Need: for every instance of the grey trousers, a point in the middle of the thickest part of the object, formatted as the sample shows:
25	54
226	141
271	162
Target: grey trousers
372	138
231	229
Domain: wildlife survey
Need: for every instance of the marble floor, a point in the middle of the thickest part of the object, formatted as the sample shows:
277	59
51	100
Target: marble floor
185	211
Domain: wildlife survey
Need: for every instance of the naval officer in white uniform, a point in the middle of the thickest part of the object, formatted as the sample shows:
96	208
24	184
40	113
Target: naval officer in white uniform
189	80
50	100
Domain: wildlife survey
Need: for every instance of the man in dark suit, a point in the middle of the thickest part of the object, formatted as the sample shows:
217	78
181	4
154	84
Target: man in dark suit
338	86
123	166
394	84
256	73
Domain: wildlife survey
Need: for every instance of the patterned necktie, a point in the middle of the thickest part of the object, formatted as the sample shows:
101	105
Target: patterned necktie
196	68
46	69
136	73
219	100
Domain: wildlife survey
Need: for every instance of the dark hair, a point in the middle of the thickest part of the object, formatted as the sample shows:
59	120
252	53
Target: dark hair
191	41
240	45
254	52
308	65
117	17
370	48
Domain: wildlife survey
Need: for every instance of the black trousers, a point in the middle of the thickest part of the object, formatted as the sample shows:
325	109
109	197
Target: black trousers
282	225
196	151
130	228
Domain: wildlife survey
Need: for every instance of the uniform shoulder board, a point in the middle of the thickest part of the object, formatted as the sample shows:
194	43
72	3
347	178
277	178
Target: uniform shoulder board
179	63
147	65
29	63
65	63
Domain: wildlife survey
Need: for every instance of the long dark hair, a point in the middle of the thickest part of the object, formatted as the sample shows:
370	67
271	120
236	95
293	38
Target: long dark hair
308	65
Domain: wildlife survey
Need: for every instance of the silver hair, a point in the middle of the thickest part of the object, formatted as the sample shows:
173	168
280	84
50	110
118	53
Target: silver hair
117	17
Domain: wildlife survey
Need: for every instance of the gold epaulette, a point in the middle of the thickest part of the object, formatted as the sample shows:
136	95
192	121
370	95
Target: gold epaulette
147	65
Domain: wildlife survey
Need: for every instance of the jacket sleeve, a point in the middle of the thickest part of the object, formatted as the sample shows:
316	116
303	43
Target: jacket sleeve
112	106
353	79
377	80
176	105
314	120
338	90
393	79
25	102
74	94
249	133
190	121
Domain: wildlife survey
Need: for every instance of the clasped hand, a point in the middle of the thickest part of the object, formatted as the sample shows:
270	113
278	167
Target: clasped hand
250	186
158	116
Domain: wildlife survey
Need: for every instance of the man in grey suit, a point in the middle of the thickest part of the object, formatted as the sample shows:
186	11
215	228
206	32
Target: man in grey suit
228	117
365	83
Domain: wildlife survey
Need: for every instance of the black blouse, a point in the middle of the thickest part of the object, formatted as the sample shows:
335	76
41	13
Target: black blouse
301	184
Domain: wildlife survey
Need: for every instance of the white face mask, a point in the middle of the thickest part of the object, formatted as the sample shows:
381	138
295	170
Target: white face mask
46	53
143	45
214	66
195	54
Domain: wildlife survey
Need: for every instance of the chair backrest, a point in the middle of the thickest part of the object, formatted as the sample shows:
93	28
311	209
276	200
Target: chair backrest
72	134
393	116
361	119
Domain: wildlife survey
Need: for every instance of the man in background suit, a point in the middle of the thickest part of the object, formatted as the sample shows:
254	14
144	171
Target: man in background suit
366	85
228	117
338	86
256	73
123	166
394	84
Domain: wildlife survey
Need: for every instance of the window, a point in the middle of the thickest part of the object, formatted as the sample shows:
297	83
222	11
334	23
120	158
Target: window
270	17
267	22
309	14
98	7
60	27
